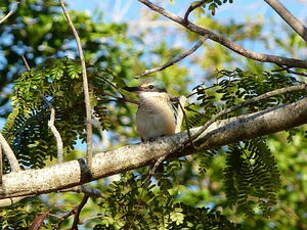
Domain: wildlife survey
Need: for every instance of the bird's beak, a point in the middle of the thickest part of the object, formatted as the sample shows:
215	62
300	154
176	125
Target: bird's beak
132	89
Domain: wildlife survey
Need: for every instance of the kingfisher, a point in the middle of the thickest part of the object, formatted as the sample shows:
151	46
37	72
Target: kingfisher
159	113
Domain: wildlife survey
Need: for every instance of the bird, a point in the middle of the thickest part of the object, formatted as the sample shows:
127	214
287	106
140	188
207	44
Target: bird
158	112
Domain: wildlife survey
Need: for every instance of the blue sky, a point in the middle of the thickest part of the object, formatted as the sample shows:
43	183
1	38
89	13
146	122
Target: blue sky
130	9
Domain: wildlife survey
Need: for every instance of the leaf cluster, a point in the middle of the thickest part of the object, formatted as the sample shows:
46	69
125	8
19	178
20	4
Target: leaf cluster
132	204
56	83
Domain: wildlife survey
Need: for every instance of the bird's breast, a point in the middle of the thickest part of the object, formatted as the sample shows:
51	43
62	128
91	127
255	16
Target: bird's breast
155	118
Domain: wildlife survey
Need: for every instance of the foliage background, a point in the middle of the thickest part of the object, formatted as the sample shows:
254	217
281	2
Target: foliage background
127	46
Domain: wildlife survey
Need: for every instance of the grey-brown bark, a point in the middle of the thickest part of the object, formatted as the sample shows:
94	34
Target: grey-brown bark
69	174
289	18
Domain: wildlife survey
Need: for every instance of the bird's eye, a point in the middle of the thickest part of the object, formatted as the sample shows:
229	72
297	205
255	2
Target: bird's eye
150	87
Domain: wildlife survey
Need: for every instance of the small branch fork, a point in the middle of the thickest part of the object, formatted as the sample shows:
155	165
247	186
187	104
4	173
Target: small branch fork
290	62
89	128
173	61
247	102
78	211
56	134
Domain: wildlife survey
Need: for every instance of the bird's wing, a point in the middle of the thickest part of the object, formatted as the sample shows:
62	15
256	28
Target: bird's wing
178	113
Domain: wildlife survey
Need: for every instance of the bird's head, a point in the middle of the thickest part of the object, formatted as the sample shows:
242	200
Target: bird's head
147	89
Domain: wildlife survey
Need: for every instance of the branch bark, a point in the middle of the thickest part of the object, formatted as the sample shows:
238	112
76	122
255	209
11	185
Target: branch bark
89	128
291	62
129	157
9	14
9	154
56	134
289	18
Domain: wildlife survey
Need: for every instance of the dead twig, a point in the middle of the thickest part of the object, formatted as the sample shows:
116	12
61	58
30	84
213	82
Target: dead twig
9	154
89	128
26	63
173	61
56	134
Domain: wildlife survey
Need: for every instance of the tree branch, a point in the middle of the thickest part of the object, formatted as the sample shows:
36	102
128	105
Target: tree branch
248	102
92	192
225	42
78	211
9	154
129	157
289	18
89	128
288	70
191	8
173	61
56	134
8	15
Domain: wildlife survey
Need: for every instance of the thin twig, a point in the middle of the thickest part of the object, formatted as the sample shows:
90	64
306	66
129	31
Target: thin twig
89	128
153	169
56	134
173	61
9	154
8	15
289	18
92	192
91	218
123	98
187	125
26	63
180	103
190	95
247	102
224	41
78	211
191	8
64	217
288	69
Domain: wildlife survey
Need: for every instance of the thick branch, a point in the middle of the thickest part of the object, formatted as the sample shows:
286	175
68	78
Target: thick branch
289	18
129	157
89	128
9	154
248	102
291	62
